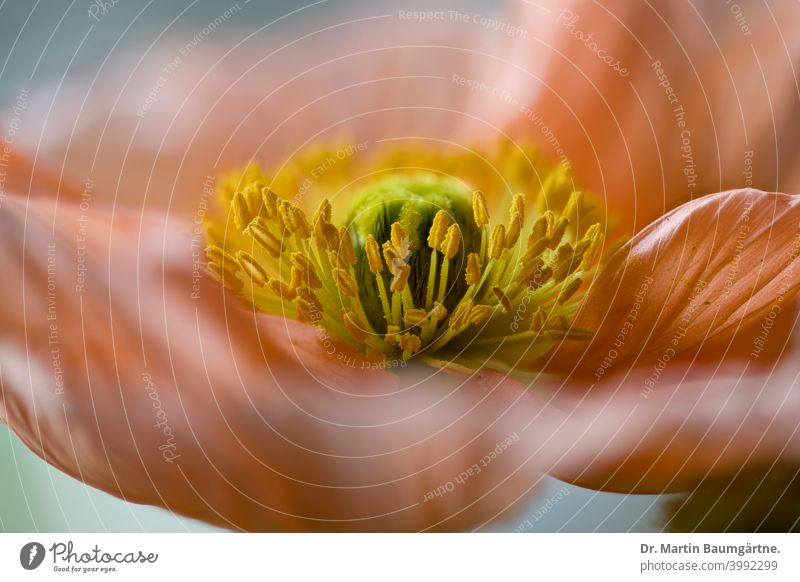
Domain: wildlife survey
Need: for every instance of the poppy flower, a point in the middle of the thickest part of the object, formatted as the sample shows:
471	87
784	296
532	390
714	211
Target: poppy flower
388	273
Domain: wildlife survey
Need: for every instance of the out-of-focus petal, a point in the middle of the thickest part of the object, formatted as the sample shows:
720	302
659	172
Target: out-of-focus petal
689	281
21	174
656	104
629	434
161	122
122	369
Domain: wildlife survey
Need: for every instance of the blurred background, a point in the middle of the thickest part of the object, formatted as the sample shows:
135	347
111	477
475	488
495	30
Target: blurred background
40	40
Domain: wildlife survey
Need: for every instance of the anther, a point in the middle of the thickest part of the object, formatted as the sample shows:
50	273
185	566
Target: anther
373	255
415	316
535	248
539	320
539	229
502	298
518	208
345	282
346	247
226	278
281	289
438	311
400	279
540	277
557	231
460	316
563	262
479	313
514	229
259	230
241	212
473	273
252	268
304	266
392	334
479	210
354	325
221	257
409	343
306	313
270	201
572	208
326	236
438	229
307	295
498	241
568	291
399	238
451	241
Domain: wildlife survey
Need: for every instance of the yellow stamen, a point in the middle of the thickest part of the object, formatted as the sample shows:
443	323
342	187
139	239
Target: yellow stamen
345	282
306	269
502	298
438	229
518	208
451	242
224	277
563	262
332	275
439	312
241	213
252	268
557	232
572	208
305	294
270	201
410	344
281	289
415	316
513	231
373	255
539	229
392	334
568	291
460	316
473	274
354	325
535	248
479	313
479	211
399	237
259	230
306	313
498	241
400	279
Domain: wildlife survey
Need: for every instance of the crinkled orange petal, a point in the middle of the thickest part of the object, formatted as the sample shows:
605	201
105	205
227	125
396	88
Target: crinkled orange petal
689	281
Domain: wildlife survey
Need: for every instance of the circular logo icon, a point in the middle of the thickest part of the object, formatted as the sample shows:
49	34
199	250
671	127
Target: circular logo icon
31	555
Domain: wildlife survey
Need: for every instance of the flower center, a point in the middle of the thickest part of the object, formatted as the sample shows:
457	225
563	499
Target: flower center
417	265
410	217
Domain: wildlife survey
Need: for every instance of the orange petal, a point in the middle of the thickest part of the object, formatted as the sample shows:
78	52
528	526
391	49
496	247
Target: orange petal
688	282
658	104
154	127
700	421
19	173
121	369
